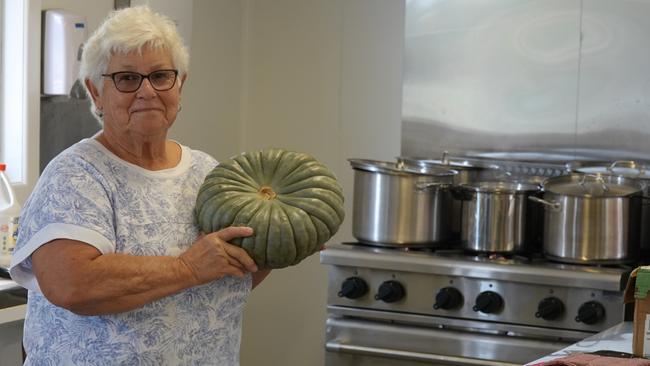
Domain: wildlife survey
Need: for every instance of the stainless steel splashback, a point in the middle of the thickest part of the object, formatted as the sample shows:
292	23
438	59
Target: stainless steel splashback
567	77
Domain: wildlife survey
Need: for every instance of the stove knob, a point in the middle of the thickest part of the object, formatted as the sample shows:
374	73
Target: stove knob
488	302
353	288
448	298
590	313
390	291
549	308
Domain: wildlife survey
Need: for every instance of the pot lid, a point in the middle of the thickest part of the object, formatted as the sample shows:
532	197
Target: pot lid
627	169
592	185
444	163
398	168
500	187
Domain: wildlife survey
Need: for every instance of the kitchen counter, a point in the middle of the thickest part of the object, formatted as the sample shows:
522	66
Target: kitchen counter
12	313
616	338
12	308
7	284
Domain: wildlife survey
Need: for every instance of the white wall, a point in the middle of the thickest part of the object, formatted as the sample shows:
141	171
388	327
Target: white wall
210	119
320	76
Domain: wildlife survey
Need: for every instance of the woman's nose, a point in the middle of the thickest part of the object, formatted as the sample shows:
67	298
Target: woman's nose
146	89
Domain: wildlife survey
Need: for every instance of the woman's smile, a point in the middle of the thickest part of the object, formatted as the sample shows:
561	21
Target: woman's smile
146	109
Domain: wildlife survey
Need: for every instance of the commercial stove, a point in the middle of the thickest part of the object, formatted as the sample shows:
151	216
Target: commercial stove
415	306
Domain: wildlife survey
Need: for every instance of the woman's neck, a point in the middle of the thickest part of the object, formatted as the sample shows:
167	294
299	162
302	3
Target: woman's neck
151	153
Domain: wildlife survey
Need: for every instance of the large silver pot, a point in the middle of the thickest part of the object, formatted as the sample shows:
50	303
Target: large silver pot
591	218
395	205
495	216
626	169
467	173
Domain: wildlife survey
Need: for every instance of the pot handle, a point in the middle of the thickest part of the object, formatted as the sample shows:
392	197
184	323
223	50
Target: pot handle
597	177
627	164
460	194
502	172
421	187
555	206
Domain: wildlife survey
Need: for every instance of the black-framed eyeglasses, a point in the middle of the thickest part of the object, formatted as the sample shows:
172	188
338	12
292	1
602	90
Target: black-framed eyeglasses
130	81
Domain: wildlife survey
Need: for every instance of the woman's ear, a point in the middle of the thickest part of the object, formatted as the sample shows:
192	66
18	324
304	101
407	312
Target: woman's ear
94	93
183	78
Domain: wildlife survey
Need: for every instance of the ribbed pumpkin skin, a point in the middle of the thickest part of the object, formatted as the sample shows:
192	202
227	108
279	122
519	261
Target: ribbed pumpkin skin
293	203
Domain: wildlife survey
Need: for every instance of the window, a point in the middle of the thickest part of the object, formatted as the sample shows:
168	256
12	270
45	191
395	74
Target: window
20	92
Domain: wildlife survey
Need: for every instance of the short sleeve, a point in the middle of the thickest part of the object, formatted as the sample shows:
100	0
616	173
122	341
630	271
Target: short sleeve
70	201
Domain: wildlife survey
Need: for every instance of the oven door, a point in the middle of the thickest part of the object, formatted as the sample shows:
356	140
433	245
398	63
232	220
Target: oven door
359	342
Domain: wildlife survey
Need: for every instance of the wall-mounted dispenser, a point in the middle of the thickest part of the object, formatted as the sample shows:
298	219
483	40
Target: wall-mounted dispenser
63	37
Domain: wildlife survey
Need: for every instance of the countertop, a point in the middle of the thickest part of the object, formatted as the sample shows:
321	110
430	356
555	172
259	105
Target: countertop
616	338
7	284
10	310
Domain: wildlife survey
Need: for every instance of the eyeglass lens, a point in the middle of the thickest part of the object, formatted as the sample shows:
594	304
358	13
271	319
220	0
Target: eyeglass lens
160	80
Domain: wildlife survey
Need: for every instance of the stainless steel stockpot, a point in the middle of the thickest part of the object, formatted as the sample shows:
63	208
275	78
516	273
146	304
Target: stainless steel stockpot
495	216
591	218
627	169
395	205
467	173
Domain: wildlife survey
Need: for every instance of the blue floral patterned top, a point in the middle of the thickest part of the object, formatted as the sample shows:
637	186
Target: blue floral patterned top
89	194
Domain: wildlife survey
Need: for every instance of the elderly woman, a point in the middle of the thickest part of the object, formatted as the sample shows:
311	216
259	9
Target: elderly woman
117	270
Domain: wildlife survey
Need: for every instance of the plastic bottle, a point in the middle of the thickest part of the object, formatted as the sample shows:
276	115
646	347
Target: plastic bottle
9	214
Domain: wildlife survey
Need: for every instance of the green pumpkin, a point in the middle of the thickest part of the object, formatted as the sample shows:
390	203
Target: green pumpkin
293	203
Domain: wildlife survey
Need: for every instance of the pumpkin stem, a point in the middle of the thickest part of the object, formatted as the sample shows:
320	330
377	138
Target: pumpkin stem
267	193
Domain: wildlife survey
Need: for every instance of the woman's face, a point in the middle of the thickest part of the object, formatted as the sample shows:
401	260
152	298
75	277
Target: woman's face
146	111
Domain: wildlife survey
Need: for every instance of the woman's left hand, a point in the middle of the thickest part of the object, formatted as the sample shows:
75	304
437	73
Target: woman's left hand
212	257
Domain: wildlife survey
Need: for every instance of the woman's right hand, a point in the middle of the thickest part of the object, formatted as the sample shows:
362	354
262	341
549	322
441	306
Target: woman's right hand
212	257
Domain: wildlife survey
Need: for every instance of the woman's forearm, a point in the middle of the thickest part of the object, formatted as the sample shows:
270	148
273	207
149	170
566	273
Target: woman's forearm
90	283
259	276
76	276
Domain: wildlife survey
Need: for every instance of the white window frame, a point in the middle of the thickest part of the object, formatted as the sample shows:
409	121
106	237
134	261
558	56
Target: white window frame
20	92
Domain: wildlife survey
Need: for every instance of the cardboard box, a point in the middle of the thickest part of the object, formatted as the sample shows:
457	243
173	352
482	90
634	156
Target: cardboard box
637	291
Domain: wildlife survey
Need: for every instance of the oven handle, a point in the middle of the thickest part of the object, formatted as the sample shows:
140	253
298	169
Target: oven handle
334	346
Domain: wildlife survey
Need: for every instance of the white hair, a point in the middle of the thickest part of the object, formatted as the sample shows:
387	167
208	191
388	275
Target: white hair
130	30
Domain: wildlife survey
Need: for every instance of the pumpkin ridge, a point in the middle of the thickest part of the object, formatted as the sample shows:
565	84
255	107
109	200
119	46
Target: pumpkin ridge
255	161
301	253
310	169
223	187
271	177
237	220
299	163
268	225
276	250
231	172
262	230
327	196
293	234
301	188
320	224
317	182
297	217
226	204
238	206
246	167
206	213
327	215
